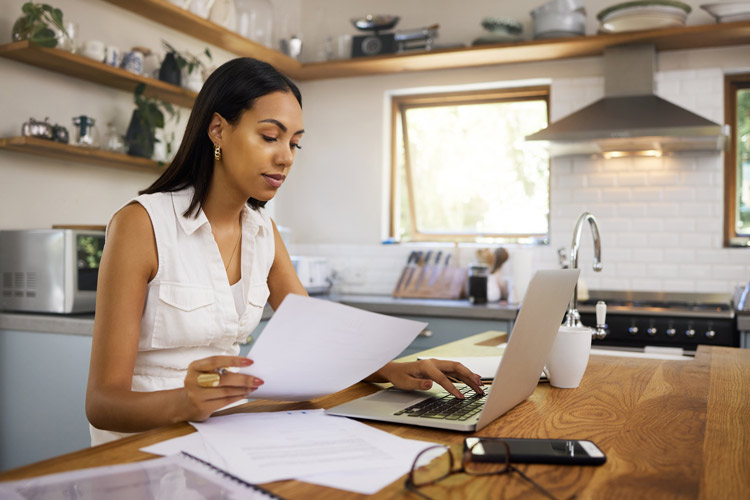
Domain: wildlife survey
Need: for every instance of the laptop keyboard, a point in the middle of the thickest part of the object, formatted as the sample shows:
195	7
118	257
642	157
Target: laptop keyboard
448	407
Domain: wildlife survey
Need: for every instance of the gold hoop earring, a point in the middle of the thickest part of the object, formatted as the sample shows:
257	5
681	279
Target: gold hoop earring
217	152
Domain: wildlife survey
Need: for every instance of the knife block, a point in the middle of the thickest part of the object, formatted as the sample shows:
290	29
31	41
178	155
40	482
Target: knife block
431	282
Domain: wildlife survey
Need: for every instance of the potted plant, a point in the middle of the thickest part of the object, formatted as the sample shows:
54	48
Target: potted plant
191	66
36	25
147	117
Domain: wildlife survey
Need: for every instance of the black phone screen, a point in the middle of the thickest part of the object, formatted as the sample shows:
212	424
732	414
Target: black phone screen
557	451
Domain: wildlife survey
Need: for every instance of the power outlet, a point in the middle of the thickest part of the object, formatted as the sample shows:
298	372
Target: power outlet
354	276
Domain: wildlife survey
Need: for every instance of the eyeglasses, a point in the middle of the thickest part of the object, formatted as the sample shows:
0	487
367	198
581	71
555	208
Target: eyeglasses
436	463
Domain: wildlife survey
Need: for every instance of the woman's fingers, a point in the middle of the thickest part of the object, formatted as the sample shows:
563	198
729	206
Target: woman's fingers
432	370
465	375
215	363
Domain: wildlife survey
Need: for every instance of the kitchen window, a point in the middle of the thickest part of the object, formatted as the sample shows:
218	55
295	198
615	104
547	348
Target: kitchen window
461	170
737	161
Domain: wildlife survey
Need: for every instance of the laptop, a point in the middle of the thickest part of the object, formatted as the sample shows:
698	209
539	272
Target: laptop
539	319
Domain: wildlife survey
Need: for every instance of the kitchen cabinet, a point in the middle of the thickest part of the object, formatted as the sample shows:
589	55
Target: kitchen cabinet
42	396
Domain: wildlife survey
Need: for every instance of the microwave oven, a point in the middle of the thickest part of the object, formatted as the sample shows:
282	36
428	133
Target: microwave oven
49	270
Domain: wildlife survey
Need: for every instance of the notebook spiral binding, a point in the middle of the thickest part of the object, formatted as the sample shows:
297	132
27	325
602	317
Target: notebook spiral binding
233	477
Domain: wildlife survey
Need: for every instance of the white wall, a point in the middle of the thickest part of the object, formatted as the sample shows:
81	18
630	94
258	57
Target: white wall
661	222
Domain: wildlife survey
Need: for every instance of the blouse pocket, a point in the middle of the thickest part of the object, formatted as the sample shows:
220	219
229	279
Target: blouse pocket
258	295
186	316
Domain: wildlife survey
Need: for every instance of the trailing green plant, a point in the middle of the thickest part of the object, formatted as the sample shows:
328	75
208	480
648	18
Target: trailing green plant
150	114
35	24
186	59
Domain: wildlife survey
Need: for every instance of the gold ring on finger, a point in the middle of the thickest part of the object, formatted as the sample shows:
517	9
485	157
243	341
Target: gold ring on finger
209	379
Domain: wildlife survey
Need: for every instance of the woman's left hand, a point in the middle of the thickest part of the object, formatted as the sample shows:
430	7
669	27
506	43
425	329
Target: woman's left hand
419	375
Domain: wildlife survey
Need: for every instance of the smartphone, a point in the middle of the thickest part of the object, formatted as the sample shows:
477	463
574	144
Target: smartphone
535	451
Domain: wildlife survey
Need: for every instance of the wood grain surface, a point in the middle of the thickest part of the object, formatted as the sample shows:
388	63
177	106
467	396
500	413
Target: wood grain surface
670	429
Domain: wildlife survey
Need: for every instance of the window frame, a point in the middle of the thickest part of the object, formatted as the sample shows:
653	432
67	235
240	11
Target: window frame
732	84
401	103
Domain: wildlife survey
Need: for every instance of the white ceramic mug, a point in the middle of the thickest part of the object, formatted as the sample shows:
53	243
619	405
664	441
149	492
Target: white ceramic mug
94	49
569	357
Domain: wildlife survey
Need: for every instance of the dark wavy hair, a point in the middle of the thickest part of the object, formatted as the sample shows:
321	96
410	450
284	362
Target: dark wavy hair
230	90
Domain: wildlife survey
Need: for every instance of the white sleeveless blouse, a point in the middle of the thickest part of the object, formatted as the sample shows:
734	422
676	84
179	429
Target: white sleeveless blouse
190	310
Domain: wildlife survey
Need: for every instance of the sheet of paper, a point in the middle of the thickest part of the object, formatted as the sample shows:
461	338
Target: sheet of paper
314	347
263	447
366	482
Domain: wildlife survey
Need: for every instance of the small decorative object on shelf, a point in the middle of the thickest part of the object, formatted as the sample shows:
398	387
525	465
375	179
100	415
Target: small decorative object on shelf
60	134
170	70
147	117
499	30
86	133
38	24
191	66
255	20
224	13
34	128
113	141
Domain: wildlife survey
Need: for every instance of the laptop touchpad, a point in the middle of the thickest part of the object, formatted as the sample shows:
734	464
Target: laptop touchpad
396	396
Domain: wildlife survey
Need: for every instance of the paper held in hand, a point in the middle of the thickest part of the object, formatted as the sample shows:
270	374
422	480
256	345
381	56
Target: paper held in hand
313	347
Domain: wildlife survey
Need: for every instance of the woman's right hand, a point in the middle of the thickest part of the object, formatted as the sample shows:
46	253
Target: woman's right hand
201	401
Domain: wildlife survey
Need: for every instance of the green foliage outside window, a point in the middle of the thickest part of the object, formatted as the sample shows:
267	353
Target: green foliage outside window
473	176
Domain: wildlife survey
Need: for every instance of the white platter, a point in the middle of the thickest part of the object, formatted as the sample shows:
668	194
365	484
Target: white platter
642	18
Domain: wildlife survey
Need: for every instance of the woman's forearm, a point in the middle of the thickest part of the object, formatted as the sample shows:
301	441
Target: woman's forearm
129	411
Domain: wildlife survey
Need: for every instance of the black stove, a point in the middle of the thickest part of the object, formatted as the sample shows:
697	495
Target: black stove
683	320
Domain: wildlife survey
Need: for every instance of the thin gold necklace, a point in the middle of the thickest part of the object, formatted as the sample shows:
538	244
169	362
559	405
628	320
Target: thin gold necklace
226	268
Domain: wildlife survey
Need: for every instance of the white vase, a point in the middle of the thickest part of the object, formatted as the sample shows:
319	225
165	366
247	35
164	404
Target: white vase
224	14
192	81
255	20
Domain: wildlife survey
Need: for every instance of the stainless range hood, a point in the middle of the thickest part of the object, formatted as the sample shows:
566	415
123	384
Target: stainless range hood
630	120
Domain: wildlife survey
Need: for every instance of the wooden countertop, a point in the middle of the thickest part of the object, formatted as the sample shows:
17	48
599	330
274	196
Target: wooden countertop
670	429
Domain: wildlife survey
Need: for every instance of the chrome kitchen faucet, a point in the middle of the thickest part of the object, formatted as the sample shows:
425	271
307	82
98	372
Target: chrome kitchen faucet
573	318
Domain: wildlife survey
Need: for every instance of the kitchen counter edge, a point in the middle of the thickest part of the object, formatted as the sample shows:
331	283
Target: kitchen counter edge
83	324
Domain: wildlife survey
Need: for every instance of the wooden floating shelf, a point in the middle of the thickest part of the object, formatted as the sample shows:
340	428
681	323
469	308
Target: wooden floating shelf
87	69
678	38
60	151
685	37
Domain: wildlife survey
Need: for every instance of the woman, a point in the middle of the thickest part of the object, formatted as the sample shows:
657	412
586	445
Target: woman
190	263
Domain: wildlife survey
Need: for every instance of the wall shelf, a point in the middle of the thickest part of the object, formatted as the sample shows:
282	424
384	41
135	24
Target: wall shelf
684	37
66	152
87	69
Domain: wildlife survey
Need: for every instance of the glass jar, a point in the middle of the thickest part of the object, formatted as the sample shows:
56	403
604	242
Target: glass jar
255	20
478	274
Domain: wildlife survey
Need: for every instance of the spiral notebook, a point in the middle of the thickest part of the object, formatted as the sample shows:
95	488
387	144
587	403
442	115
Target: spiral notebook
176	476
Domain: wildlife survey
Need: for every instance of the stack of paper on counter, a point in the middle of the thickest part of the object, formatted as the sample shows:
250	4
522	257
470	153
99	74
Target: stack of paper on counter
306	445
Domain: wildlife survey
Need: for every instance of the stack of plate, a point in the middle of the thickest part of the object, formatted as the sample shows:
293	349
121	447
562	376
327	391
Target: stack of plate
728	12
642	15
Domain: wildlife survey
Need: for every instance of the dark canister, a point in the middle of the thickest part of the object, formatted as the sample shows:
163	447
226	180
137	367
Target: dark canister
478	274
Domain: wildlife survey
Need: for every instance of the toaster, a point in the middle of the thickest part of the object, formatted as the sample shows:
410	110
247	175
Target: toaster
314	273
49	270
